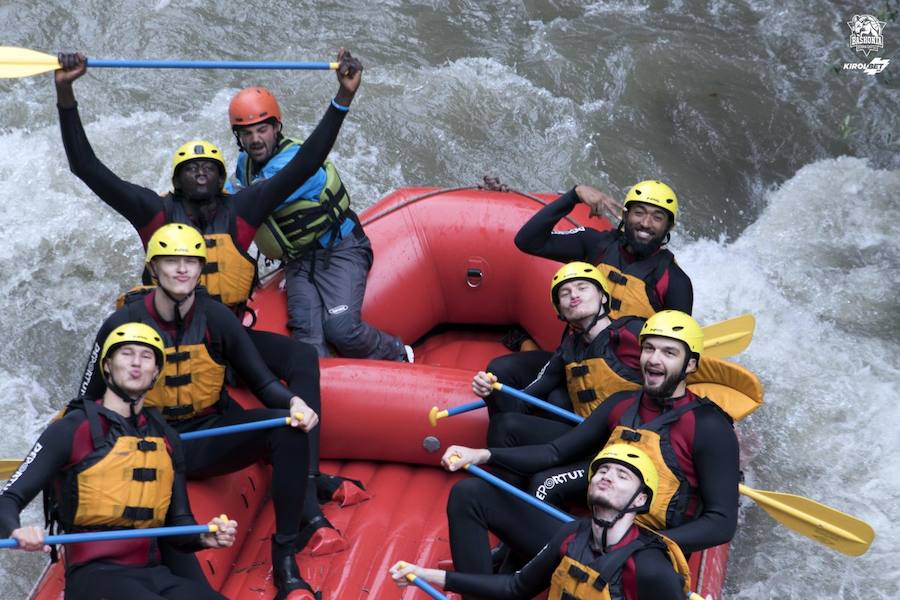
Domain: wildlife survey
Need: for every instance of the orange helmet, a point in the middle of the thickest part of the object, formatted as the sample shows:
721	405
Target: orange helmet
253	105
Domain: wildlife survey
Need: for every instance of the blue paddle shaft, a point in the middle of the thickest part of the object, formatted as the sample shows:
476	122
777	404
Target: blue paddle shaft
100	536
494	480
428	589
206	64
565	414
254	425
465	408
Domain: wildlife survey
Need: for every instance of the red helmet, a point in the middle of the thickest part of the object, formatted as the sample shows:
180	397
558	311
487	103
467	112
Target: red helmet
253	105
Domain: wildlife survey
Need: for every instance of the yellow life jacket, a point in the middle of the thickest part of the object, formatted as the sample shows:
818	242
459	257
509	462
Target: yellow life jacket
730	386
670	502
192	380
125	482
602	578
291	230
632	292
230	273
592	380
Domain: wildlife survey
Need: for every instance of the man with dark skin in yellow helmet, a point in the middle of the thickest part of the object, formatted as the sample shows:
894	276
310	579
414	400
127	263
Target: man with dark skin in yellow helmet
636	563
229	223
691	440
642	272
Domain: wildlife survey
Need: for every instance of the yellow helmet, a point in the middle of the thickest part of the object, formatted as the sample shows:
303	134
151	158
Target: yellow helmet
176	239
676	325
571	272
195	149
134	333
656	193
634	459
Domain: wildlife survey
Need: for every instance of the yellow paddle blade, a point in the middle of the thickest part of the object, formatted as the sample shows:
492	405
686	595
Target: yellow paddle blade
22	62
839	531
8	466
727	338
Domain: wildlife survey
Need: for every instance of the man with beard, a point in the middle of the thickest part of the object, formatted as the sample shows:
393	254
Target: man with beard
326	253
597	358
643	275
605	556
690	440
229	224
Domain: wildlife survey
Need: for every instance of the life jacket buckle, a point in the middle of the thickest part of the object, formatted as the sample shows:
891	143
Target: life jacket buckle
631	436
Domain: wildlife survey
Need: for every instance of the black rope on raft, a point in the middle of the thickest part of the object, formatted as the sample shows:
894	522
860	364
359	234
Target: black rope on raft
490	184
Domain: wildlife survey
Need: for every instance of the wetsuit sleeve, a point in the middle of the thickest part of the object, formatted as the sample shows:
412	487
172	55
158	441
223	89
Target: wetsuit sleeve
179	506
48	456
680	292
628	346
537	237
716	460
92	384
585	438
655	577
137	204
526	583
256	202
549	378
241	354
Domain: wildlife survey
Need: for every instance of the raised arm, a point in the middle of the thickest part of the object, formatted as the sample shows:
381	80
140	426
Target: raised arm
137	204
537	237
257	202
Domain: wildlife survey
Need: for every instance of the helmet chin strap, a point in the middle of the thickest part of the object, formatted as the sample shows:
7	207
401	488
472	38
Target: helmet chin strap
118	391
606	525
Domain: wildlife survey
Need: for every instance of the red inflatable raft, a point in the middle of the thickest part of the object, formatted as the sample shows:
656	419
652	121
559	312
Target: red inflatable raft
447	275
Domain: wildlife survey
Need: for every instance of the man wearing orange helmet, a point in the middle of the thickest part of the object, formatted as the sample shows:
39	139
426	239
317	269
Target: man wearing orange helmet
326	254
228	222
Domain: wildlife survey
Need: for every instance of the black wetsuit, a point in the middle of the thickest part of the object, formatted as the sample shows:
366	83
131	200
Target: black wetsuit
228	343
705	446
135	573
672	290
292	361
646	575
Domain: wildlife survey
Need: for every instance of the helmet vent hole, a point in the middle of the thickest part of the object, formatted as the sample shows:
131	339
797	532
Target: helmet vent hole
677	328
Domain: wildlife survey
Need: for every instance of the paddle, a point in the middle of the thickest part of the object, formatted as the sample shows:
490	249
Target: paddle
435	414
8	466
423	585
21	62
727	338
543	506
830	527
721	340
122	534
823	524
